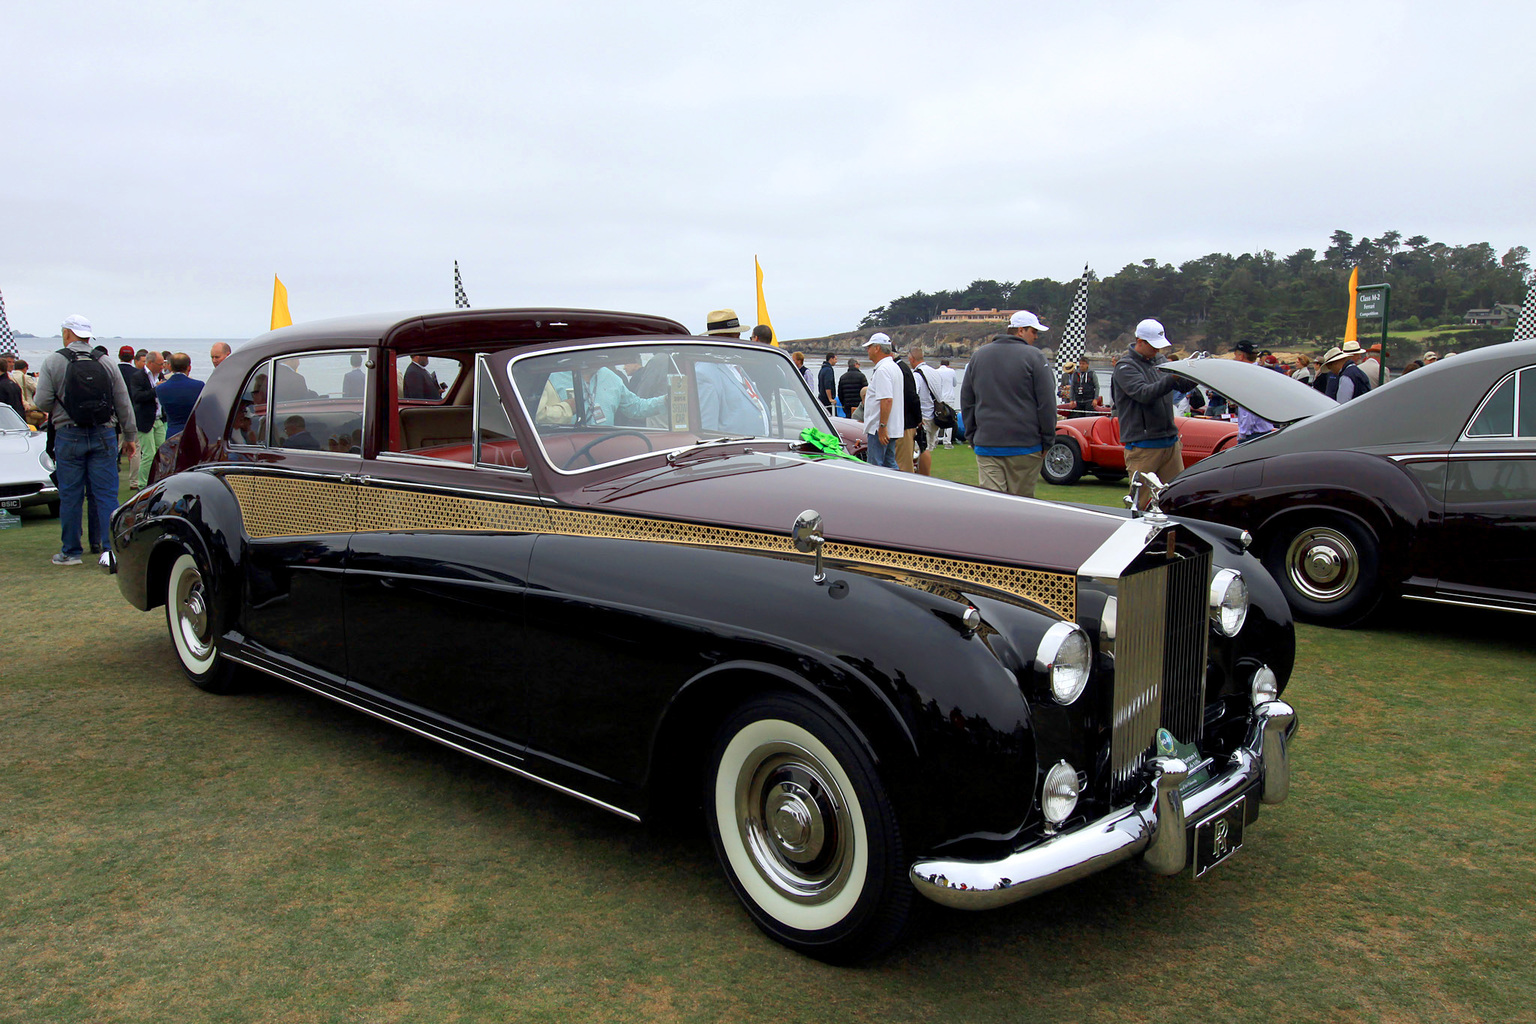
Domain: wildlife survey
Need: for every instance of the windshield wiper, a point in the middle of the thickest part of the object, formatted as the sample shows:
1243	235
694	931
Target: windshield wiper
673	456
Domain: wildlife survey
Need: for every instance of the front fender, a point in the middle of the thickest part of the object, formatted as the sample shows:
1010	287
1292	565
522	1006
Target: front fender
194	511
1260	494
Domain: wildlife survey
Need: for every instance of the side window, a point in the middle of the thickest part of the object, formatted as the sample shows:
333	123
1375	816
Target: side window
1526	406
313	405
433	417
427	378
495	439
1497	416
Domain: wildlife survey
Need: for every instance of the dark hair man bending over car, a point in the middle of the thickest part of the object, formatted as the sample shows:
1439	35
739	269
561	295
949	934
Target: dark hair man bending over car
1249	425
1008	403
1144	406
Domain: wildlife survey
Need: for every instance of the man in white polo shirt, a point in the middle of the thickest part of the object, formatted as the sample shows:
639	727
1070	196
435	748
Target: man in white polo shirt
884	413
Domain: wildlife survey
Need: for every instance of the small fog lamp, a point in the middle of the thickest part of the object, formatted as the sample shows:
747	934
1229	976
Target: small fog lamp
1229	601
1058	799
1265	686
1063	658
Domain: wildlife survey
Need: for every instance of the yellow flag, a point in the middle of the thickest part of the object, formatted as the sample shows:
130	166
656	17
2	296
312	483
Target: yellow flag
762	305
280	317
1354	288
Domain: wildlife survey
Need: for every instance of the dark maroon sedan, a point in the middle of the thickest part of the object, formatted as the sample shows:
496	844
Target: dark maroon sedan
654	582
1425	487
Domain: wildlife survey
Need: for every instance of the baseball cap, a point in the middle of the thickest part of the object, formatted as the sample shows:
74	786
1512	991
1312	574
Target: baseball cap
878	339
1024	318
125	354
1245	347
1431	355
77	323
1151	332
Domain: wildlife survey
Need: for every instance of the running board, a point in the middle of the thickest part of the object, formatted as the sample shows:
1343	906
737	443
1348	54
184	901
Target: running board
434	737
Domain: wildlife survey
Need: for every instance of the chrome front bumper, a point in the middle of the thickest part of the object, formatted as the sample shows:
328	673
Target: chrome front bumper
1156	825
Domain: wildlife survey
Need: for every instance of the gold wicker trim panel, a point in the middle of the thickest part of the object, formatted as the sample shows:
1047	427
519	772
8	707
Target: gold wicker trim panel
289	506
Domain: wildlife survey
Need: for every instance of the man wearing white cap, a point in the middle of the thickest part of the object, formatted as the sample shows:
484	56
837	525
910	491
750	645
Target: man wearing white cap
85	397
1008	403
884	411
1144	406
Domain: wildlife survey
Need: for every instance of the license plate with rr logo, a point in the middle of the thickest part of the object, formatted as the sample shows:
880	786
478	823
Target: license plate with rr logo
1219	836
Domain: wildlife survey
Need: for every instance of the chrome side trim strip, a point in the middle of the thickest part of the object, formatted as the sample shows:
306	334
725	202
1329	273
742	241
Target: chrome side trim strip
1471	604
1434	456
435	738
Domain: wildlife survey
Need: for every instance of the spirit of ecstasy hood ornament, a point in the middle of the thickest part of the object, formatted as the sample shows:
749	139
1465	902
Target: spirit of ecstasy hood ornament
1146	481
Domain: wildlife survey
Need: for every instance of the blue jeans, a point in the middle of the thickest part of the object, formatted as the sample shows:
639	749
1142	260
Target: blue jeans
86	459
881	454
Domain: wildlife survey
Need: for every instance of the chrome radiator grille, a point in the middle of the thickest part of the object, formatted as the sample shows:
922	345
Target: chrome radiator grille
1160	653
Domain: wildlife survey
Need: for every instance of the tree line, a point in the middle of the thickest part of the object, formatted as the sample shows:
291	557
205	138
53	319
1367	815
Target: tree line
1300	298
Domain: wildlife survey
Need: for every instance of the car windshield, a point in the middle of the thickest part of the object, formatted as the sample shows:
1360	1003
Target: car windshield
9	420
604	404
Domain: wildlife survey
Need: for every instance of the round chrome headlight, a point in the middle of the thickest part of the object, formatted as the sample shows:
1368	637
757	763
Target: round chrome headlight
1063	659
1229	601
1265	686
1058	798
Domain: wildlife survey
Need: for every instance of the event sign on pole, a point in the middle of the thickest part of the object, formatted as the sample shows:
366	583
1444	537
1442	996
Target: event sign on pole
1371	303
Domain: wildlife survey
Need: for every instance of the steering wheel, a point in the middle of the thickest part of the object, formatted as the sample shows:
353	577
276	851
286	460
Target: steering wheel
586	449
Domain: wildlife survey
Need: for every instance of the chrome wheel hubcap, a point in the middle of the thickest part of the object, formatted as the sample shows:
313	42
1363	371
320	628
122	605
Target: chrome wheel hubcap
192	612
1322	564
1059	459
795	823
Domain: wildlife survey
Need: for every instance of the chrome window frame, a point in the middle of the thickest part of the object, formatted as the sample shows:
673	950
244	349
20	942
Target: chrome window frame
657	341
270	365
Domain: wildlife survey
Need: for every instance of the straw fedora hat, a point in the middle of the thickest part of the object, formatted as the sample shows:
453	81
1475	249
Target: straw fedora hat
724	321
1333	355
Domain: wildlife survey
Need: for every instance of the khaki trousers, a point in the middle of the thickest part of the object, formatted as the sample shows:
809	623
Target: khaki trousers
1011	474
905	445
1167	463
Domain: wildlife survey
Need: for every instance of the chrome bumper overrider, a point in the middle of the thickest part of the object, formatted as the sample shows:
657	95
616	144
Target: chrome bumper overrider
1155	825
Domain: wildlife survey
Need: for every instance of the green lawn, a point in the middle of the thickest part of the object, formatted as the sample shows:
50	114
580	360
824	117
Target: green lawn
166	855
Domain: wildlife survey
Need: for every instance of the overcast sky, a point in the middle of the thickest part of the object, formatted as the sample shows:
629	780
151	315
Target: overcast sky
163	160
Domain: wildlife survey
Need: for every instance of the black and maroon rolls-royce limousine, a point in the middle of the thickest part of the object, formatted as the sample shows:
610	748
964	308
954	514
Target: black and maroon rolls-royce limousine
657	581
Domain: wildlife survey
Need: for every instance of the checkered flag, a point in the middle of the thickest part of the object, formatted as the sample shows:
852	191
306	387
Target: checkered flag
7	339
1525	327
460	300
1075	334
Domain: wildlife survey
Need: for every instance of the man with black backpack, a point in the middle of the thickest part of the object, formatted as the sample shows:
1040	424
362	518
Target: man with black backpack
85	397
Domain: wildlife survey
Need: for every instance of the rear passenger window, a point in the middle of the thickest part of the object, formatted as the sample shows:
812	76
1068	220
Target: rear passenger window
317	403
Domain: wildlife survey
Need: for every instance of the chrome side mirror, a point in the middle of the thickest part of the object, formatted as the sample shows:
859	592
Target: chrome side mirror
807	537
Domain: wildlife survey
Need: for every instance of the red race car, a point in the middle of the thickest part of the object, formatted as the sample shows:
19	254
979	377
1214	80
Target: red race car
1091	444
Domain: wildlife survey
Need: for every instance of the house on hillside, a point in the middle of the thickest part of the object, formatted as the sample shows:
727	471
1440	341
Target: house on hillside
953	315
1503	314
